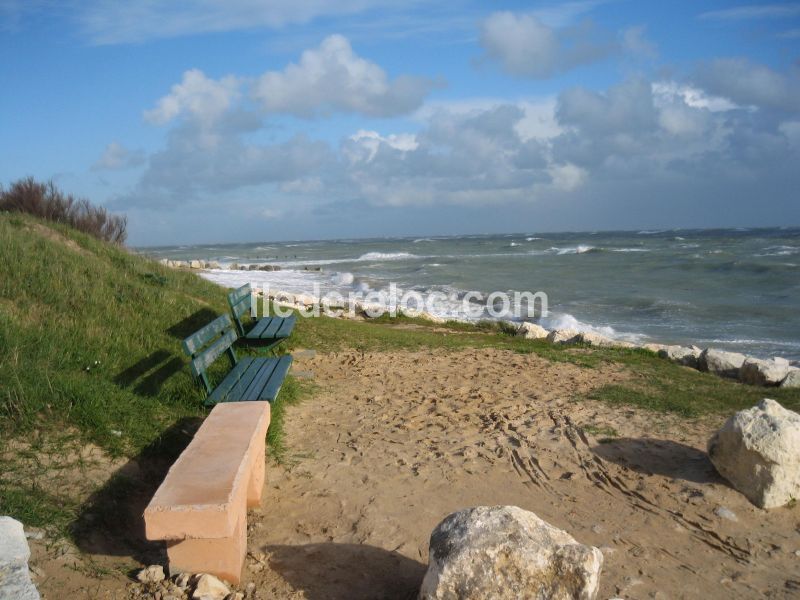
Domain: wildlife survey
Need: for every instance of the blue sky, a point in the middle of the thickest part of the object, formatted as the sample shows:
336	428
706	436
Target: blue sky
247	120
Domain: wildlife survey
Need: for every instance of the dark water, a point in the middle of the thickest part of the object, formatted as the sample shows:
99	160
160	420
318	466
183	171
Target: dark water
731	289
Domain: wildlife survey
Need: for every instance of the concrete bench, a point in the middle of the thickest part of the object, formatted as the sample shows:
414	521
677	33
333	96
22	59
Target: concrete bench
200	509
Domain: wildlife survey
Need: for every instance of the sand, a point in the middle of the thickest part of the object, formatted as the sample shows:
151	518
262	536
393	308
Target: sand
391	443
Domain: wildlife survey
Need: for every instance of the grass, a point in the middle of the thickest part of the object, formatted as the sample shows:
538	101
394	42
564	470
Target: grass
90	345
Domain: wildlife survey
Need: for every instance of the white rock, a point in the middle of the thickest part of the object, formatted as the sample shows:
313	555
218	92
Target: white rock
15	578
653	347
195	264
792	379
504	552
719	362
688	356
758	452
531	331
756	371
594	339
431	317
209	587
213	265
151	574
563	336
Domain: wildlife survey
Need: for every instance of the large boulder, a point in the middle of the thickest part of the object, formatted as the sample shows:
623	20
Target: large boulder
758	452
719	362
688	356
563	336
196	264
15	579
756	371
504	552
531	331
792	379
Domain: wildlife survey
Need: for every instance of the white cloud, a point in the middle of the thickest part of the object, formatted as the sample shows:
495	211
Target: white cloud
116	156
527	47
747	83
333	78
368	143
204	99
567	177
667	92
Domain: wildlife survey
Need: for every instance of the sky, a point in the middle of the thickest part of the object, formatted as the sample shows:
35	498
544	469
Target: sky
252	120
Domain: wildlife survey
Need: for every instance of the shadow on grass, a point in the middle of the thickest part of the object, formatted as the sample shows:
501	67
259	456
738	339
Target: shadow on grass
110	522
660	457
150	373
347	571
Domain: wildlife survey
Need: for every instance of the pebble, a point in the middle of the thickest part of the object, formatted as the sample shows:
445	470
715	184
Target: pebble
725	513
151	574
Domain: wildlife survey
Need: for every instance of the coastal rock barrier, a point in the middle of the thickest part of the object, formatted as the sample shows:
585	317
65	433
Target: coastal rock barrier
773	372
212	264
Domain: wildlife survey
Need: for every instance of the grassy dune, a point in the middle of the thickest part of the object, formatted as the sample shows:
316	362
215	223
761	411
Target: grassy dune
90	353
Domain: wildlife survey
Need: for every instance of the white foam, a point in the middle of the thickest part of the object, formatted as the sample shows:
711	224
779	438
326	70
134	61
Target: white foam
581	249
381	256
343	278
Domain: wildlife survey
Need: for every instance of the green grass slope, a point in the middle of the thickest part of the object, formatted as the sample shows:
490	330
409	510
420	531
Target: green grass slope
90	336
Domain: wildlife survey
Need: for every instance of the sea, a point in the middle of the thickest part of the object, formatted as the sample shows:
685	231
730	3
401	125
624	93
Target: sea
733	289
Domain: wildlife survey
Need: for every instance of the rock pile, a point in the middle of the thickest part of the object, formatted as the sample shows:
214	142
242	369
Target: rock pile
154	584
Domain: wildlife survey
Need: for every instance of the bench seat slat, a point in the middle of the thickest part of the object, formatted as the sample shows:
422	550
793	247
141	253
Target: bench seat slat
258	379
239	386
273	386
271	328
257	330
285	330
231	379
253	391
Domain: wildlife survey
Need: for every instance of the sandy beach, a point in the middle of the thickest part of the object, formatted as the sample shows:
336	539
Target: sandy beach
393	442
389	443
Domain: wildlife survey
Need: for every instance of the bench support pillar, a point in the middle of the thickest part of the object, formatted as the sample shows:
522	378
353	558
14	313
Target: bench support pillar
223	557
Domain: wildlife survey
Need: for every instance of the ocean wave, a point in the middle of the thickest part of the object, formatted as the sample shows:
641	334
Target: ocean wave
650	232
380	256
513	245
532	239
779	251
630	249
580	249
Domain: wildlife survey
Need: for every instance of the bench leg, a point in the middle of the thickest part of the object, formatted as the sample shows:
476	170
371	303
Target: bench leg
221	557
255	486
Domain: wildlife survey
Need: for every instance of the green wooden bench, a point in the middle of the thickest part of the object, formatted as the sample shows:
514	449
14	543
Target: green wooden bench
267	331
251	378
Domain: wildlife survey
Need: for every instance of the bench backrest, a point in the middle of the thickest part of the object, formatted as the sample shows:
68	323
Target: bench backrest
207	344
241	302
